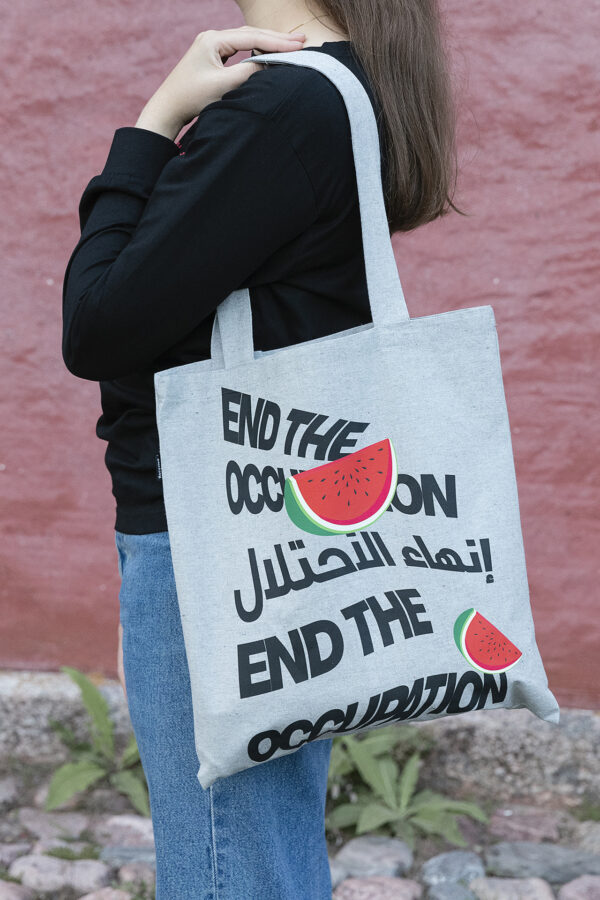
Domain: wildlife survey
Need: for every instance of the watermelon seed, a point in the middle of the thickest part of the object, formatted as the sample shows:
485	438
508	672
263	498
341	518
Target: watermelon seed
380	472
354	490
338	493
323	497
367	493
310	479
348	503
364	467
323	479
335	471
368	479
336	480
379	449
371	457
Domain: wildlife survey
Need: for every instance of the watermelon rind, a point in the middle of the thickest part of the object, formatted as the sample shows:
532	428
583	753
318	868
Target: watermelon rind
462	622
308	520
461	626
297	514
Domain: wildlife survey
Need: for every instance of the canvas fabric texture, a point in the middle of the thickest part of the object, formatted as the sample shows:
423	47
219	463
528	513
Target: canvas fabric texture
307	615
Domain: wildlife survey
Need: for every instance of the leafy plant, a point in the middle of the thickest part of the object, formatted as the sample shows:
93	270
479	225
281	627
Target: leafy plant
5	876
138	890
586	811
387	798
95	761
89	851
378	742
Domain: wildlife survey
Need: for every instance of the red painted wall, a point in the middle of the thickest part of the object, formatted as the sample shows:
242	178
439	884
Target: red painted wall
529	141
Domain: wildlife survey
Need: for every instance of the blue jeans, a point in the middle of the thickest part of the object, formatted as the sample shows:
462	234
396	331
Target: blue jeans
258	834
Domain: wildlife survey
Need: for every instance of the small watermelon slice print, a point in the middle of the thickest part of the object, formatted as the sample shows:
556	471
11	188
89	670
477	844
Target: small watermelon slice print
346	494
483	645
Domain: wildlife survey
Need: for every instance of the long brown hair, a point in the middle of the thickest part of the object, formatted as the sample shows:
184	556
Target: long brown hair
400	45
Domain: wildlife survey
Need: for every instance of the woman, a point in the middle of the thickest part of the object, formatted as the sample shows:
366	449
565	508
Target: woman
259	192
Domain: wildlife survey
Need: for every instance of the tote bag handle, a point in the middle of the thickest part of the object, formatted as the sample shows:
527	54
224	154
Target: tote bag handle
232	341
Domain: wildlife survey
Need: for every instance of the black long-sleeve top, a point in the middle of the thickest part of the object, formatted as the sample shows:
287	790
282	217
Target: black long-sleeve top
260	192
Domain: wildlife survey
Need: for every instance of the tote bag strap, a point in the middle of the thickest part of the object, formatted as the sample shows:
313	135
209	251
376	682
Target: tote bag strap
232	341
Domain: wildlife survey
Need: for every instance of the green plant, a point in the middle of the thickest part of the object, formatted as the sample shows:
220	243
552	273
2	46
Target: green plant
387	799
138	890
89	851
403	739
586	811
4	876
96	761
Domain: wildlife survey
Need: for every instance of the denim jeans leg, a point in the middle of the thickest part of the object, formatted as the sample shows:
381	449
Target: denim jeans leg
256	835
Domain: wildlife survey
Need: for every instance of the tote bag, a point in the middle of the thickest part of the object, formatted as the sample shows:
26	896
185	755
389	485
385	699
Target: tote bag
343	514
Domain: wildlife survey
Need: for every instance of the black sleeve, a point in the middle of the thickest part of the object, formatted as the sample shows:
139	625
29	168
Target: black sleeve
166	236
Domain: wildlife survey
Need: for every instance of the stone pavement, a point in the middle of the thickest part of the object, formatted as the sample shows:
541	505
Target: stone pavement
525	853
540	782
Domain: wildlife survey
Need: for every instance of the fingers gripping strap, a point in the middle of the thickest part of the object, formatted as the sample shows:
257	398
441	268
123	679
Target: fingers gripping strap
386	297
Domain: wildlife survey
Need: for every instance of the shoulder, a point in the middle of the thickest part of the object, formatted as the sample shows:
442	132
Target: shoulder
309	115
297	99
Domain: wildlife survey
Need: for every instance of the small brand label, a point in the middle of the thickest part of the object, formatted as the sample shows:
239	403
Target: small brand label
158	469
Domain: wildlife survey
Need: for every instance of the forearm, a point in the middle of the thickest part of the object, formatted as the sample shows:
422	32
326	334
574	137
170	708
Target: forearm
110	209
154	118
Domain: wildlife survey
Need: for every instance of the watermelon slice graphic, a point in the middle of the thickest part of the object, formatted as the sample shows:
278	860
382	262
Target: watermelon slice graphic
482	644
345	494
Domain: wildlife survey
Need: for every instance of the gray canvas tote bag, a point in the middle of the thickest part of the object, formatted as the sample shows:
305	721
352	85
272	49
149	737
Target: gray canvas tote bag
343	514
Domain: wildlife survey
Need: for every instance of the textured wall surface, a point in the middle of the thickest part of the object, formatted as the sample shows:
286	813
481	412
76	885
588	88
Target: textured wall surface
529	144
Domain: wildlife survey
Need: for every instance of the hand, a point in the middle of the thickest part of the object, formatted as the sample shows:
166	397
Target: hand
120	669
201	77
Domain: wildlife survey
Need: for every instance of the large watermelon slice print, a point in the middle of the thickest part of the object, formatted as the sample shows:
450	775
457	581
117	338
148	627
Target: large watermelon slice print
482	644
346	494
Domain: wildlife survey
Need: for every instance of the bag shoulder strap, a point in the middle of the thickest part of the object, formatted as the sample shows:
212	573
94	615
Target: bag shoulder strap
388	306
